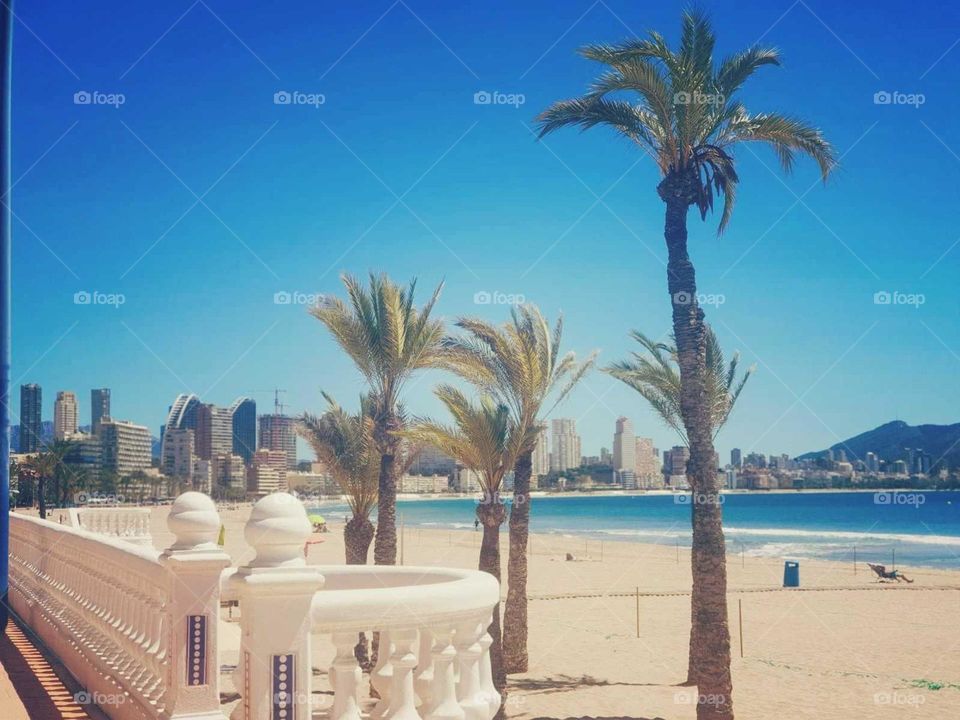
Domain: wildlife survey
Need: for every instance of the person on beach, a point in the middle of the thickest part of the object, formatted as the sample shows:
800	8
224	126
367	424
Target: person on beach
316	537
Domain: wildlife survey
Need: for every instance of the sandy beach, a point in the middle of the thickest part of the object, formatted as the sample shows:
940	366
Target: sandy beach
841	646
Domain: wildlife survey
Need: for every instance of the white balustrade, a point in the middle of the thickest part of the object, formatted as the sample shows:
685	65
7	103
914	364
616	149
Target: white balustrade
433	660
131	524
136	627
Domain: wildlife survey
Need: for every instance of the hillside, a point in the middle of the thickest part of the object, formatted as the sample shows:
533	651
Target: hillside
889	440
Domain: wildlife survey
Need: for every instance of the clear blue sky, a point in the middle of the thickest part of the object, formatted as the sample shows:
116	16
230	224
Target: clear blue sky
292	195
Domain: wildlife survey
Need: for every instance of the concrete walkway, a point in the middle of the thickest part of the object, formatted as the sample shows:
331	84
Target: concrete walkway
29	687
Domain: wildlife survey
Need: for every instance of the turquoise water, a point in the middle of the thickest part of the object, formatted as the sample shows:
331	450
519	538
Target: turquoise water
920	528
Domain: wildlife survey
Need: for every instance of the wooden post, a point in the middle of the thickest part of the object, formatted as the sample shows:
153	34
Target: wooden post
638	611
740	611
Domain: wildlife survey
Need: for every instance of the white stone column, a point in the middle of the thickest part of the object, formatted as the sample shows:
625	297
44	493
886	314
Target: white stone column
276	590
487	688
346	676
194	563
382	676
443	692
469	693
403	701
423	676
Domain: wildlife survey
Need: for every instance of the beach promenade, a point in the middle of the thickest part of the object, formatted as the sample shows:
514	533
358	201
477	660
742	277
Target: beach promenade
841	646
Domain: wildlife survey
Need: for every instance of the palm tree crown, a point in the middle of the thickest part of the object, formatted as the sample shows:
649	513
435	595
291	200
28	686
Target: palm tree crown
687	117
483	436
655	374
344	444
385	335
518	363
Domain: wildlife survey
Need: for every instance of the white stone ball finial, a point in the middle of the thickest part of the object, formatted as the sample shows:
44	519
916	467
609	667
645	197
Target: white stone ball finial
194	521
277	529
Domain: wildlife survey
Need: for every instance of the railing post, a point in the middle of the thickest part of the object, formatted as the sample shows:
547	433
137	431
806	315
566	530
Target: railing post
276	591
194	563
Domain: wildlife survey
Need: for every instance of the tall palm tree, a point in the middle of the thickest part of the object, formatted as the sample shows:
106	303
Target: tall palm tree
685	115
388	339
520	364
655	374
44	466
485	439
344	444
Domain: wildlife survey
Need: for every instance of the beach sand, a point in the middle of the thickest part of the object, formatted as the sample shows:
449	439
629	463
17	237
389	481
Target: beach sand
842	646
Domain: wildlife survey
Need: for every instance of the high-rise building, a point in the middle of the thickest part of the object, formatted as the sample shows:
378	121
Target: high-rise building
647	464
606	457
565	454
675	465
278	432
267	472
229	472
213	434
736	458
64	414
431	461
624	446
872	462
244	413
99	407
178	455
85	454
540	461
125	447
30	417
182	415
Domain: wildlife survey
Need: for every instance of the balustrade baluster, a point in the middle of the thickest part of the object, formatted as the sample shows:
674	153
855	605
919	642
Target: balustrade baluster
346	676
443	691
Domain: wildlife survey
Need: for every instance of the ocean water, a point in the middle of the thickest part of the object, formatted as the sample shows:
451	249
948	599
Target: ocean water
918	528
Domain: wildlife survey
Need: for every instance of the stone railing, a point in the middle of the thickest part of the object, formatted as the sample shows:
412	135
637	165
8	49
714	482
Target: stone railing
433	661
131	524
136	627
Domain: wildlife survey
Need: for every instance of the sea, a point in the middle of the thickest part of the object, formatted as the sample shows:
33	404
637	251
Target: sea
918	528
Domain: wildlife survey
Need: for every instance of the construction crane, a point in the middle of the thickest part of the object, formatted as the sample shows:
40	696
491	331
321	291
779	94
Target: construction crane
277	405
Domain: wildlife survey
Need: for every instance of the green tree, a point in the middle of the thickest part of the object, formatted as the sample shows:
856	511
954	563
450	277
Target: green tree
685	114
484	438
520	364
655	374
389	339
44	466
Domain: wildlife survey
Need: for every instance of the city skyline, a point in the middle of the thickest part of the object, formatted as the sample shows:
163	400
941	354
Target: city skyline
496	214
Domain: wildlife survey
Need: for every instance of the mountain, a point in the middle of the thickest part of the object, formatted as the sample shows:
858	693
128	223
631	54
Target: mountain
889	441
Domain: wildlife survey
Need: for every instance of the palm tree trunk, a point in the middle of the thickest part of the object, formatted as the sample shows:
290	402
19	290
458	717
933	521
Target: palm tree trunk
41	496
357	536
385	546
709	635
515	658
491	515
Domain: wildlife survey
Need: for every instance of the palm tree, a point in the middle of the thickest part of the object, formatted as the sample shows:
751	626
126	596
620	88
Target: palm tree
388	339
520	364
44	466
344	444
656	376
484	439
686	116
